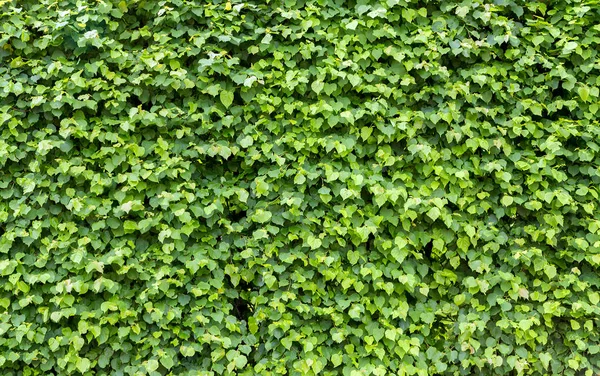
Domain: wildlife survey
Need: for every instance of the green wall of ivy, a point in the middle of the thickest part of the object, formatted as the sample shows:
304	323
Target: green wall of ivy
299	187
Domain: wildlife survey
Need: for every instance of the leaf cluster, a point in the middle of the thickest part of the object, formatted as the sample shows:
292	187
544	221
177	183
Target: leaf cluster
300	187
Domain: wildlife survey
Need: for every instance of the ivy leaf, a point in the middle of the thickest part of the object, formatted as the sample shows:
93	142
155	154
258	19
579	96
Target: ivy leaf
226	98
399	254
538	39
584	92
267	39
83	364
261	216
434	213
246	142
506	200
545	358
569	47
459	299
550	271
313	242
317	86
152	365
240	361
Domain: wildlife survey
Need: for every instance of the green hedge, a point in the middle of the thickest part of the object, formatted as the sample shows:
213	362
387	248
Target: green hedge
299	187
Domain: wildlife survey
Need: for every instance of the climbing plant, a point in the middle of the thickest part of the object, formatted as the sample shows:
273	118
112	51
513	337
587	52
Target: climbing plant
299	187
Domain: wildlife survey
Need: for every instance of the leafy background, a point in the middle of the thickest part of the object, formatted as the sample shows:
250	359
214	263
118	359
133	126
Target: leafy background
299	187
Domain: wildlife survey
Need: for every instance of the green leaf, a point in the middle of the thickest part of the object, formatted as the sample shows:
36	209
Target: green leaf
261	216
356	311
336	359
463	243
267	39
240	361
317	86
213	90
353	257
270	280
313	242
594	297
569	47
226	98
83	364
262	188
506	200
399	254
459	299
152	365
545	359
167	362
584	92
550	271
252	325
538	39
434	213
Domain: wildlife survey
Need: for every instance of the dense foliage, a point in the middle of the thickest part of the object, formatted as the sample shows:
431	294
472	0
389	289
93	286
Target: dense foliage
299	187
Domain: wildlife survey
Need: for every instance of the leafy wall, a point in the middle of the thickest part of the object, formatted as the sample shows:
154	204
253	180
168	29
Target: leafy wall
299	187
